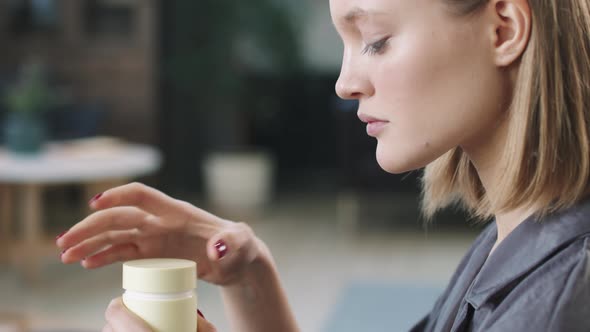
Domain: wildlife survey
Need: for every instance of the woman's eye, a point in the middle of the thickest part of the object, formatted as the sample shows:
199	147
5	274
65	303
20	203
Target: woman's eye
375	48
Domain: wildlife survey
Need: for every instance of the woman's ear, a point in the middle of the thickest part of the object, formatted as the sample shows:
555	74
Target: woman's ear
512	24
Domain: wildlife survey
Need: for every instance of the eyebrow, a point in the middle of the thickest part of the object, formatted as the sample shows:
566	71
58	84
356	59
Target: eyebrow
357	13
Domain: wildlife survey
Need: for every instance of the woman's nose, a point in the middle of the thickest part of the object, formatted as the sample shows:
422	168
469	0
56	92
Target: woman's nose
353	82
343	89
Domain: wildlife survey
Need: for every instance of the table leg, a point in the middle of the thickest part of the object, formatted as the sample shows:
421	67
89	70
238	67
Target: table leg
5	212
31	212
6	221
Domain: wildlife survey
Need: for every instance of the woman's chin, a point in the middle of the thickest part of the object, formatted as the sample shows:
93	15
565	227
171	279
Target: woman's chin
393	167
397	163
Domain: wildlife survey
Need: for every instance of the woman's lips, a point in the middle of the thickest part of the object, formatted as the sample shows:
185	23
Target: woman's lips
374	128
374	125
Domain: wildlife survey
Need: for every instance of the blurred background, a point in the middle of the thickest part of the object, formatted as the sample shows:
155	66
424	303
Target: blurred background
229	105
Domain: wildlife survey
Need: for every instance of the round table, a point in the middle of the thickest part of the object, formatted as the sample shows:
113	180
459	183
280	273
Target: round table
97	164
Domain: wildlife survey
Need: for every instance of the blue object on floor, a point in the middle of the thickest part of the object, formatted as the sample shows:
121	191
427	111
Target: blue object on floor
371	307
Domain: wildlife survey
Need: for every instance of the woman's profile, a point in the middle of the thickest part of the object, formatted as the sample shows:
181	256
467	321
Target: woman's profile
491	98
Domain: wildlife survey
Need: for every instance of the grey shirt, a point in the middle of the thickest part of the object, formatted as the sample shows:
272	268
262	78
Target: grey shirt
537	279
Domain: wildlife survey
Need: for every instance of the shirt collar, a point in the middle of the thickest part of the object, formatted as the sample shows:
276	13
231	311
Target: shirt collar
526	247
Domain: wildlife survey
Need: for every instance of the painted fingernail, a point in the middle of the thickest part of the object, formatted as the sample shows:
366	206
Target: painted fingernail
200	314
221	248
95	198
60	235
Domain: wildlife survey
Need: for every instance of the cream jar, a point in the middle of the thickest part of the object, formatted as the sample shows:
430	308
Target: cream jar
162	293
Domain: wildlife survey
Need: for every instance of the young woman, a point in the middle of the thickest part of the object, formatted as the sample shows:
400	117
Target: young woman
491	96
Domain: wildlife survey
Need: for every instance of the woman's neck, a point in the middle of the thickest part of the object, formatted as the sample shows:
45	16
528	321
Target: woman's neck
485	157
506	222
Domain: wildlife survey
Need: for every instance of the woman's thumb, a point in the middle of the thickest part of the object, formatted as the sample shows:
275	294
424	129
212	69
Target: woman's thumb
204	326
232	248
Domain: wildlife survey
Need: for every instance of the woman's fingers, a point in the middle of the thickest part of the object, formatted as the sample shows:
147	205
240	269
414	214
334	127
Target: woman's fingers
94	245
119	218
135	194
150	200
204	326
116	253
119	319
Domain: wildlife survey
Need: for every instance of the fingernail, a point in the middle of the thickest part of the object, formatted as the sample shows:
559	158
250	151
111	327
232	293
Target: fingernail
62	253
200	314
221	248
95	198
60	235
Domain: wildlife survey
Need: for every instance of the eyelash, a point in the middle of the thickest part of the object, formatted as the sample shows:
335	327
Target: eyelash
375	48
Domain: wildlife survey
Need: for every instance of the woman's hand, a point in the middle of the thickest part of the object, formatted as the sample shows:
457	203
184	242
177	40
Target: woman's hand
135	221
119	319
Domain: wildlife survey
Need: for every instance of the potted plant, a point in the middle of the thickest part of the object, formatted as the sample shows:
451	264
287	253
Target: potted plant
26	102
222	44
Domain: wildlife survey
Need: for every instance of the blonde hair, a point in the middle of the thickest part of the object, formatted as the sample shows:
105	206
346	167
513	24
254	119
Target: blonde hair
547	156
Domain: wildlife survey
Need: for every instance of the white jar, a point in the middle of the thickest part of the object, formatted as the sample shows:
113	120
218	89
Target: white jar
162	293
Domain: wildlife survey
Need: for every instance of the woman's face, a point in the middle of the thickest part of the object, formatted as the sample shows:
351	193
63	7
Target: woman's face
425	79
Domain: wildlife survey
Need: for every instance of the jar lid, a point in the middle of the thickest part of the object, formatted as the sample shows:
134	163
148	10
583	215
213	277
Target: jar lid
160	275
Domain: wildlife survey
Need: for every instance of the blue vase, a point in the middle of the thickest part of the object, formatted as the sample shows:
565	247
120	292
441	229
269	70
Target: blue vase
24	133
